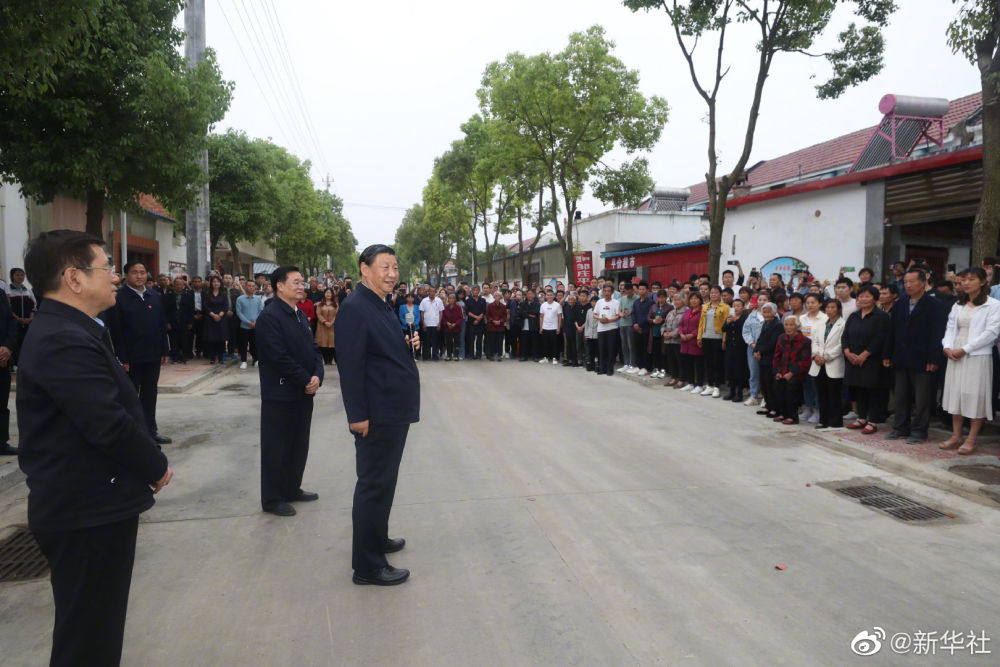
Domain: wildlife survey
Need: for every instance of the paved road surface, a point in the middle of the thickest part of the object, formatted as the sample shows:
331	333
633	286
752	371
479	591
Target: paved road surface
552	517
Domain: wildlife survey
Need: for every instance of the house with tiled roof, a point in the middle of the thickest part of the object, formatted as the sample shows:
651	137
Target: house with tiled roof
861	199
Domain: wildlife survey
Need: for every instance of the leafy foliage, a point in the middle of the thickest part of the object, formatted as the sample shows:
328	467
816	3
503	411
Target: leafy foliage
111	110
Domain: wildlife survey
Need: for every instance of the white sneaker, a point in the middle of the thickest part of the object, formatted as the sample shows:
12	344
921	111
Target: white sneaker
632	370
850	416
506	355
623	369
642	371
555	362
697	390
814	419
543	361
243	366
715	392
707	391
686	387
751	401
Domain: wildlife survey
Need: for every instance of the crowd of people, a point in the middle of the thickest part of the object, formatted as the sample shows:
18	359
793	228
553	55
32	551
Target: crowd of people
830	354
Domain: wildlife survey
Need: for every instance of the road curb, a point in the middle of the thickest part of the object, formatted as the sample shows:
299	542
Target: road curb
193	382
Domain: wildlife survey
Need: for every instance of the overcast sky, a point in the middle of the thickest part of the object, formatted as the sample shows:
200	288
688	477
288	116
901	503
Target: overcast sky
386	85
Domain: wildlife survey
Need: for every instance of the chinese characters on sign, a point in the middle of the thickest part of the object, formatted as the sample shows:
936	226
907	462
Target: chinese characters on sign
621	263
583	267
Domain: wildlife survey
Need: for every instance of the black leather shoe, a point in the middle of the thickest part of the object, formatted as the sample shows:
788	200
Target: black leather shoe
386	576
896	435
304	497
161	439
280	509
394	545
7	450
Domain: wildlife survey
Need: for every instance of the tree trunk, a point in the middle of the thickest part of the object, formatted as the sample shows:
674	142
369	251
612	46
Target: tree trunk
716	222
95	214
236	258
986	227
520	245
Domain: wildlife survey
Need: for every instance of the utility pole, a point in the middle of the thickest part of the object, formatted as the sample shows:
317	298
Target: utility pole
328	181
199	251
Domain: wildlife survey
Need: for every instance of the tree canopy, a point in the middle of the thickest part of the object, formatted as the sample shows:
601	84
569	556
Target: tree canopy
112	110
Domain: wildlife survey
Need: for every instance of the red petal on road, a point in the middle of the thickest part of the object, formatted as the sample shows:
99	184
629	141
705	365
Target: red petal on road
808	484
530	498
781	567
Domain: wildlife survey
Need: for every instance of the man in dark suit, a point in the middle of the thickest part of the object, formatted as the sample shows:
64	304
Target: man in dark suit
90	462
918	324
178	306
291	371
10	334
138	327
381	390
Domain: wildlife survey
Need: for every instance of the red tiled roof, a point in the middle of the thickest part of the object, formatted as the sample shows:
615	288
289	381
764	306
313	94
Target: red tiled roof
149	204
830	154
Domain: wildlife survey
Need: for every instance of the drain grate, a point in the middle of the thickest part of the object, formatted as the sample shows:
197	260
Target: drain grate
891	503
20	557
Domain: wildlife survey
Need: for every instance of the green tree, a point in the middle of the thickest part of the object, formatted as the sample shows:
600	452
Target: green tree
782	26
566	112
975	33
114	114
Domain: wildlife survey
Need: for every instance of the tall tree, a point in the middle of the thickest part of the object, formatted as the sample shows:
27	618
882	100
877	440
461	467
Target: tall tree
781	26
568	111
119	113
975	33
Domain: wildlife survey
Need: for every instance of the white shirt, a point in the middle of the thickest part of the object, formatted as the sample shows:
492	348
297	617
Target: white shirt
605	308
489	299
848	307
430	310
550	313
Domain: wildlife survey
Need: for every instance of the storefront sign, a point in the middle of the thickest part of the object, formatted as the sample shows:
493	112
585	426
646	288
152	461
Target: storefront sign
583	267
621	263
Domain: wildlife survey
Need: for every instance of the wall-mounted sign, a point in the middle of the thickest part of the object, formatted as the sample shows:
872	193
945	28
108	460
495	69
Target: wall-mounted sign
583	267
620	263
783	265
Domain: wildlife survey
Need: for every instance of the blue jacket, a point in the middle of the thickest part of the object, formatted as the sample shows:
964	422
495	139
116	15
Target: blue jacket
379	381
248	309
287	354
640	312
138	326
416	317
916	337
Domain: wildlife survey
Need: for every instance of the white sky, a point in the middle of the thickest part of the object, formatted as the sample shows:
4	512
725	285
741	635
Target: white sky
387	84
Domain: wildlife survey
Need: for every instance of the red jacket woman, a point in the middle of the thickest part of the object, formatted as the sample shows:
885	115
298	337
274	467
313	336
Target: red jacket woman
451	318
688	326
496	312
793	355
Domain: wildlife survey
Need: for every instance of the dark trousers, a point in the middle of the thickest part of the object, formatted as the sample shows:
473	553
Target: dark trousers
606	341
284	448
581	346
788	394
329	354
476	335
145	376
429	343
377	456
828	395
767	388
657	356
693	369
640	345
234	335
571	352
4	400
197	334
494	344
451	343
714	361
91	573
529	344
174	339
592	353
248	339
186	336
914	399
550	343
672	352
868	399
510	342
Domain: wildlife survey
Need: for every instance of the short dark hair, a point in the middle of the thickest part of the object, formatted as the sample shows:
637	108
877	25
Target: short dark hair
729	271
52	252
845	281
840	306
814	295
868	269
128	267
921	275
15	270
870	289
643	283
796	295
629	285
892	287
280	275
369	254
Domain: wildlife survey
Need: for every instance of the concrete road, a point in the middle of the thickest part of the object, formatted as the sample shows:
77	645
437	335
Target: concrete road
552	517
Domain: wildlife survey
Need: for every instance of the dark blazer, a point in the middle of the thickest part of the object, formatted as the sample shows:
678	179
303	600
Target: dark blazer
138	326
379	381
768	341
85	447
287	354
869	334
8	326
916	337
179	308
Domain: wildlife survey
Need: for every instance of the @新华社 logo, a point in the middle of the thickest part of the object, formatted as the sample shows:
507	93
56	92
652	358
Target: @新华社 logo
868	643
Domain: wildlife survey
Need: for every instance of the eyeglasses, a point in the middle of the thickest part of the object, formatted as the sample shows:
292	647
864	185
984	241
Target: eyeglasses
112	268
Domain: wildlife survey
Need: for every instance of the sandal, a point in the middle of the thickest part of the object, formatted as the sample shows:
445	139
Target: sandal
951	443
858	424
967	448
789	421
868	429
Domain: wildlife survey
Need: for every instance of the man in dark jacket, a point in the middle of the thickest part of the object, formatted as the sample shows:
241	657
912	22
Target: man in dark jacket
475	326
90	462
380	386
138	327
918	324
178	306
9	337
529	334
291	372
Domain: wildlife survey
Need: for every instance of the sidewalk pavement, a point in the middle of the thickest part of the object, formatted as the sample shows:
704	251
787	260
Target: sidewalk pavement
976	476
174	379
